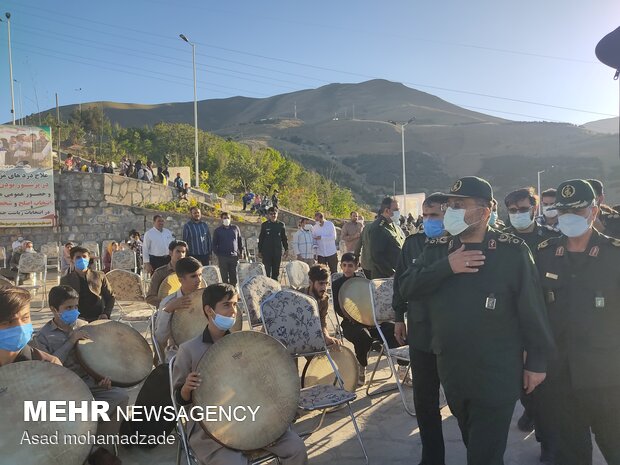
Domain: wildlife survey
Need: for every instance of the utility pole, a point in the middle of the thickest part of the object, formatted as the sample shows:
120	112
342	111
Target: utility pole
58	125
195	111
8	22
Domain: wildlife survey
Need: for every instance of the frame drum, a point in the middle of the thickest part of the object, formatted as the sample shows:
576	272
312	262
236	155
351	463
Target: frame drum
355	301
115	350
318	370
41	381
248	368
187	323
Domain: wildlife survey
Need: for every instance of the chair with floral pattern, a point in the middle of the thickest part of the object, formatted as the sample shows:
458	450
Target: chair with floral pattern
211	275
127	287
124	260
52	251
293	319
254	292
34	264
381	292
251	248
296	274
247	270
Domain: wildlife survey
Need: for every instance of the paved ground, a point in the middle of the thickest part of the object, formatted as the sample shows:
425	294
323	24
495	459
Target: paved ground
390	435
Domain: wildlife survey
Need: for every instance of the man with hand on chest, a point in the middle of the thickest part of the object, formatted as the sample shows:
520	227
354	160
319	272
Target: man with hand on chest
490	333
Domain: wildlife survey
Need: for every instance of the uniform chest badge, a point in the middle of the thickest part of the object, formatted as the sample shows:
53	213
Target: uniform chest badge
492	244
594	251
551	276
559	252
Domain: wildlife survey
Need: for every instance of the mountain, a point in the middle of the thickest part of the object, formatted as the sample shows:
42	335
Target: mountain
342	130
603	126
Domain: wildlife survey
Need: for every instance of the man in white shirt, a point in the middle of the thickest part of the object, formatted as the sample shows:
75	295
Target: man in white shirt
324	233
189	272
155	246
304	246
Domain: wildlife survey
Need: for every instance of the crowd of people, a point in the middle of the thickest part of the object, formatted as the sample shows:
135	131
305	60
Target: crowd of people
492	312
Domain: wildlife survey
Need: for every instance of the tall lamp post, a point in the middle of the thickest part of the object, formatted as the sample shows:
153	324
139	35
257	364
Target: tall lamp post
538	190
195	110
8	22
21	103
402	136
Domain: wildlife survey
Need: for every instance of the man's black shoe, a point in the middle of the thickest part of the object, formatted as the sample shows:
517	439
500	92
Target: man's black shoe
525	423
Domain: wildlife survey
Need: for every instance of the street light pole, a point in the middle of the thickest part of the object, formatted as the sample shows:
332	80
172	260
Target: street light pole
538	191
195	111
8	22
402	139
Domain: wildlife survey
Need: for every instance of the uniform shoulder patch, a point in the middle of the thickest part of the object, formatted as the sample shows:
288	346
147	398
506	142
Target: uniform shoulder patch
509	239
615	242
543	244
438	241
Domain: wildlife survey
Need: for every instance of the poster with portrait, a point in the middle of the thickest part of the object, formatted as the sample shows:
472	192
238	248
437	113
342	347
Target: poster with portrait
26	176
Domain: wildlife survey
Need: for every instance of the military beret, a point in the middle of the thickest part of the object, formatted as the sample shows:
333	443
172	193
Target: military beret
575	193
471	186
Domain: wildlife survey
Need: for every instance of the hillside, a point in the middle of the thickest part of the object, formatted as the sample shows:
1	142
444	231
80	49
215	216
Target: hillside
341	130
603	126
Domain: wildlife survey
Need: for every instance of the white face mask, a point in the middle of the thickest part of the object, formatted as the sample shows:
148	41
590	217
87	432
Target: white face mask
308	227
226	221
549	212
396	216
454	221
521	220
573	225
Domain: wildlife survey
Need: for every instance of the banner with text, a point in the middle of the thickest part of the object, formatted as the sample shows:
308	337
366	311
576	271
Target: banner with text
26	176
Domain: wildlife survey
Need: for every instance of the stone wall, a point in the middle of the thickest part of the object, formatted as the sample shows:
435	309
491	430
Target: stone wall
98	207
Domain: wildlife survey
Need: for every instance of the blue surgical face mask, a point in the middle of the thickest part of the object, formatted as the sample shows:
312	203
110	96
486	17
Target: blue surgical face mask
433	227
224	323
573	225
396	216
521	221
70	316
82	263
493	218
15	338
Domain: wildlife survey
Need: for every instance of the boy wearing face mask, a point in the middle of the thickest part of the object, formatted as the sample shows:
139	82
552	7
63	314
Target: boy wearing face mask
220	307
386	240
418	335
522	205
96	295
581	285
228	247
59	336
304	245
16	328
189	272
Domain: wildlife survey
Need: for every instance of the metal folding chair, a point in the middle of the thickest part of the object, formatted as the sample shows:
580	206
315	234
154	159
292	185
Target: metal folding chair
35	264
95	253
52	251
124	260
381	292
293	319
211	275
254	292
296	274
127	287
251	248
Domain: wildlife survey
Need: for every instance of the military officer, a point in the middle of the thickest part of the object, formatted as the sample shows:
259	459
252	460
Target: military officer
522	205
581	285
483	297
418	335
386	240
608	220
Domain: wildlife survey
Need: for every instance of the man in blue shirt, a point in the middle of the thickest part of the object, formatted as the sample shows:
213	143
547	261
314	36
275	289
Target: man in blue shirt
196	234
228	247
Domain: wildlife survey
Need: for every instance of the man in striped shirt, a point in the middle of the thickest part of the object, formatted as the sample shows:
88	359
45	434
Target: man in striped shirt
196	234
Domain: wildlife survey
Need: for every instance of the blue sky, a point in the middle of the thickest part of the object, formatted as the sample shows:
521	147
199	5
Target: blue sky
518	60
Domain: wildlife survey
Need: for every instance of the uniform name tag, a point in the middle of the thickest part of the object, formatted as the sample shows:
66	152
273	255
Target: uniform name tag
599	302
550	297
490	303
551	276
